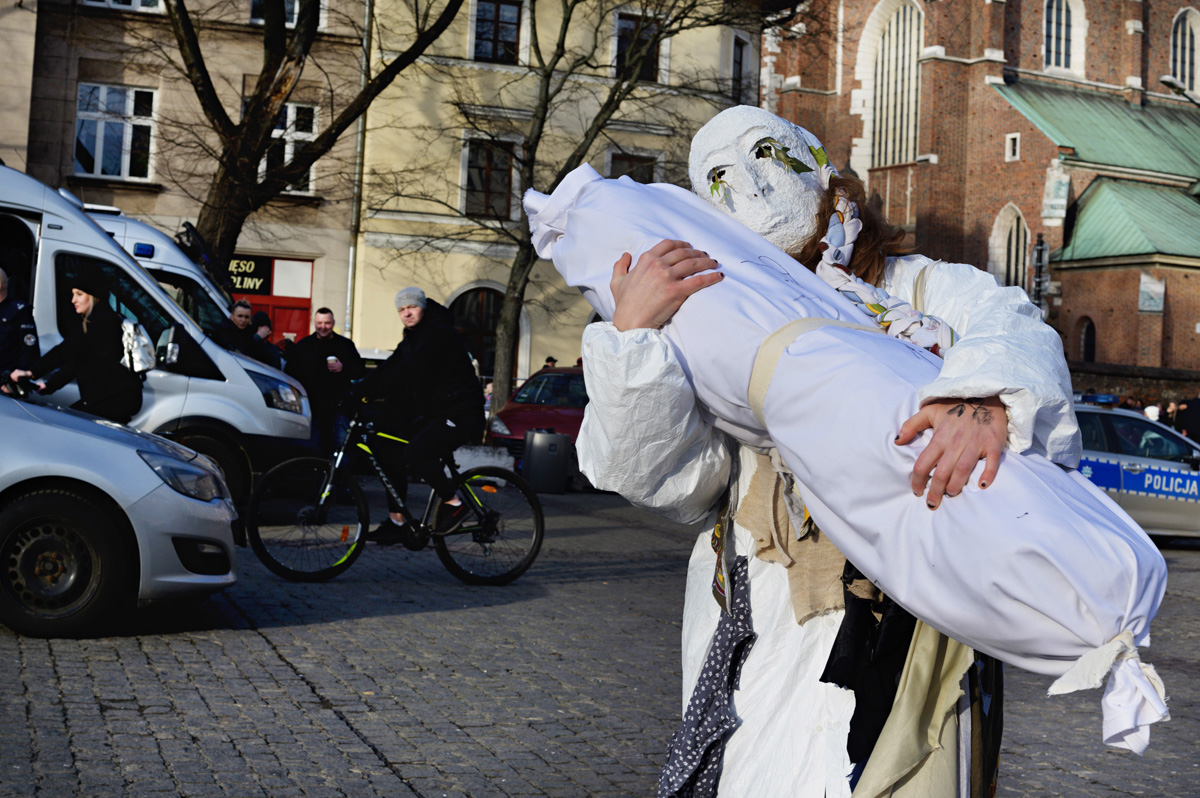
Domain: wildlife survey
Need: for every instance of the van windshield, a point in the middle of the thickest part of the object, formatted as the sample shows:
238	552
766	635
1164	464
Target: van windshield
192	297
126	296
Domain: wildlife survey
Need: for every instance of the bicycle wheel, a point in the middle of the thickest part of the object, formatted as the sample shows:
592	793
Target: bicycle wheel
502	534
294	534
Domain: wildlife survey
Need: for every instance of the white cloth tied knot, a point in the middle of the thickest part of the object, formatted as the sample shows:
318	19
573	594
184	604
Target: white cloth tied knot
1134	697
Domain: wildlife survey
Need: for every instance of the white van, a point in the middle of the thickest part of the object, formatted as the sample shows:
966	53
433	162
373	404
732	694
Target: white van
241	413
190	284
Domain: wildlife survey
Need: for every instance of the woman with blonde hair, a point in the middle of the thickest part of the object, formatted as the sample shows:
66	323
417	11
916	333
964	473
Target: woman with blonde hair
92	356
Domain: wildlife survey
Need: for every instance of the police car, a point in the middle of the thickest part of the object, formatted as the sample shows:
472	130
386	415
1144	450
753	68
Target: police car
1149	469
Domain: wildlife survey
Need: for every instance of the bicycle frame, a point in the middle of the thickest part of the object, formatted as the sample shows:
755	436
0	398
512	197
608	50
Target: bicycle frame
353	433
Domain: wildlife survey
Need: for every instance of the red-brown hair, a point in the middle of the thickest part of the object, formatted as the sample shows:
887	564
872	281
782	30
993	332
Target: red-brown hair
878	239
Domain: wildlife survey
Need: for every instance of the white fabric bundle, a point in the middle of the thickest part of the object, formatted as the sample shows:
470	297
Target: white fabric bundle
1039	570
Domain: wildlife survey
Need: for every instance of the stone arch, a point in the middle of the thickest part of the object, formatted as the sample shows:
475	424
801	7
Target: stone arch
1008	248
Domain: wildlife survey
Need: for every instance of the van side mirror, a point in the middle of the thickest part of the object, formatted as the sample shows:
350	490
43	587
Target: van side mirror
178	352
1193	461
167	349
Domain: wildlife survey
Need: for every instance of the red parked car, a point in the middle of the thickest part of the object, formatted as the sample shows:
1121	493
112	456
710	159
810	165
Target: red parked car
551	400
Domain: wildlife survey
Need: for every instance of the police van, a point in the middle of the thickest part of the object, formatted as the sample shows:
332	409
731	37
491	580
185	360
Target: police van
241	413
1148	468
190	284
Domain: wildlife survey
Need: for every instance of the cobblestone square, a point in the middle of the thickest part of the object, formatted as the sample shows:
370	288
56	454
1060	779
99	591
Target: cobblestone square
395	679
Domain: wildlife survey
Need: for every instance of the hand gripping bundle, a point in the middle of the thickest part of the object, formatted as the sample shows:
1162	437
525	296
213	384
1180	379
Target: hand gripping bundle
1041	569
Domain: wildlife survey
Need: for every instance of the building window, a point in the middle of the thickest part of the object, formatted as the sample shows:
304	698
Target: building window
497	31
114	131
290	9
1016	253
1087	341
1012	147
127	5
476	316
1008	248
295	125
897	86
633	34
639	168
737	74
1183	48
1058	33
489	179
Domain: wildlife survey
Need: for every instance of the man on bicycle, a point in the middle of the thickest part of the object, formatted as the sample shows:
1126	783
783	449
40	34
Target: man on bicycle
433	400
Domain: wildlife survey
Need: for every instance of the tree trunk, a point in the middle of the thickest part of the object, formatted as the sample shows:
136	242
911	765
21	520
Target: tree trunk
509	326
223	214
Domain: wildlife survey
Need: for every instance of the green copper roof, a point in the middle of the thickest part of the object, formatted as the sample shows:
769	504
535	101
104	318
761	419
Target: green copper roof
1107	129
1115	218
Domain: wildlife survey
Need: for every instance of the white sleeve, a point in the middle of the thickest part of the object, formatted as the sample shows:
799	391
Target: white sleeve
1005	350
642	434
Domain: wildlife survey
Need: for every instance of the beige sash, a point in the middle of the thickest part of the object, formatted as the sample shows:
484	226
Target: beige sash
773	347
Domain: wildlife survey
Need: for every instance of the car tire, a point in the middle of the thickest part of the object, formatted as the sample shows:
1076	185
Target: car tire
229	459
64	564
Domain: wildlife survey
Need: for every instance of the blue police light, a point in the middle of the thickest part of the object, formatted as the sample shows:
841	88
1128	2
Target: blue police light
1100	399
143	250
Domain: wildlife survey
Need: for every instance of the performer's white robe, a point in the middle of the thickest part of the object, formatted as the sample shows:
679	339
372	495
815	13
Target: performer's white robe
1038	570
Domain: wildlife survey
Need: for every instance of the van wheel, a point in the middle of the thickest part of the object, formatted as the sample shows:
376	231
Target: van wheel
63	565
230	460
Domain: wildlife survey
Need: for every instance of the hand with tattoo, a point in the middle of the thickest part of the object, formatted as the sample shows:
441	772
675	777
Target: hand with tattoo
965	431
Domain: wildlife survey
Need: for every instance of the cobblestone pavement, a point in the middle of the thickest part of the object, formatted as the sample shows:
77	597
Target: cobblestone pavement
397	680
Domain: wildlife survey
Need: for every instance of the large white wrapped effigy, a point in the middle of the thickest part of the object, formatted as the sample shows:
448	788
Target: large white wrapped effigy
1041	569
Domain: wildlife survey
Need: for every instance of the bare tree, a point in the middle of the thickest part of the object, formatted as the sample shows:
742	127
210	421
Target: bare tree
230	145
570	97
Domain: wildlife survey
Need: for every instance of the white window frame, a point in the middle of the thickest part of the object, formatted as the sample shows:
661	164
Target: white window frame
518	142
1078	41
660	159
1012	147
1189	20
291	137
522	40
749	68
664	46
322	17
142	6
127	119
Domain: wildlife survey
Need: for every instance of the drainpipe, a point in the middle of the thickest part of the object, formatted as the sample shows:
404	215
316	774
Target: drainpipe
360	143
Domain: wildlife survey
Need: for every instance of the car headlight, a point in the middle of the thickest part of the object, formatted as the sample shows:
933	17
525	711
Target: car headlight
499	427
277	393
190	479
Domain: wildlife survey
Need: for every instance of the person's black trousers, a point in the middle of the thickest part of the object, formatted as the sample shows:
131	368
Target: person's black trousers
429	440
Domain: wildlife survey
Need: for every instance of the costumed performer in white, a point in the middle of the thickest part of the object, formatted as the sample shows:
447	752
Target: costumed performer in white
764	290
795	591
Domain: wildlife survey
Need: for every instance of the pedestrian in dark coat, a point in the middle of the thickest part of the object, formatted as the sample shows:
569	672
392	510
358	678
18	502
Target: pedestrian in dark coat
325	363
92	357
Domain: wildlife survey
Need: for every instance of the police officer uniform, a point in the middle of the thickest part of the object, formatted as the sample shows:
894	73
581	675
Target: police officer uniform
18	336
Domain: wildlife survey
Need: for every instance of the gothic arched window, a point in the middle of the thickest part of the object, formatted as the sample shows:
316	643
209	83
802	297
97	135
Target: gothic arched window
897	89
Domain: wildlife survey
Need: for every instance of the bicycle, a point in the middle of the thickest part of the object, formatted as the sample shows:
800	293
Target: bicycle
307	518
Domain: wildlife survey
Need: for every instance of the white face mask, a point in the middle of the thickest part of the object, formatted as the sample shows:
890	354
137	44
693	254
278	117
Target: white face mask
738	165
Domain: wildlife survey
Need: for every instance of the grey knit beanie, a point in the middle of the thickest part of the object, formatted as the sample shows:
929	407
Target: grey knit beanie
410	296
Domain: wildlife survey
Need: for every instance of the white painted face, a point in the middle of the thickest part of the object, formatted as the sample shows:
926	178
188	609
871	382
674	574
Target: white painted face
757	189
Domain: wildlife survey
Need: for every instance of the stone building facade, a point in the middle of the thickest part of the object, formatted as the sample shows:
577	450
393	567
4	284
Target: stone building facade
980	126
111	122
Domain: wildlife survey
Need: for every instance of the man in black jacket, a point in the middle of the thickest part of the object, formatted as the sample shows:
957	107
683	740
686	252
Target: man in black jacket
431	399
325	363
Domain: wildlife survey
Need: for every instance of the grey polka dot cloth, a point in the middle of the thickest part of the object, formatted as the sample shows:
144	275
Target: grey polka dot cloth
693	766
